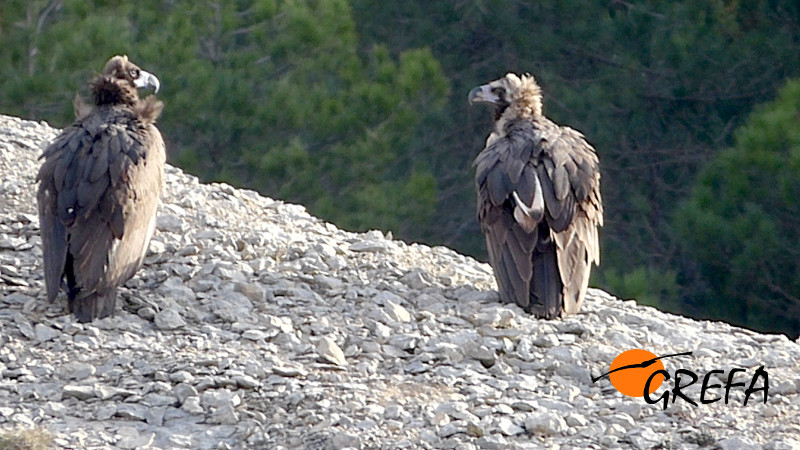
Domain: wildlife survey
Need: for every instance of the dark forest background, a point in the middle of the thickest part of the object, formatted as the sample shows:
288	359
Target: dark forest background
357	109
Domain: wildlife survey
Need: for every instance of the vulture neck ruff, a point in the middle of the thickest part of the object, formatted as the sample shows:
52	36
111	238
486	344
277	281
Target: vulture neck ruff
109	91
525	102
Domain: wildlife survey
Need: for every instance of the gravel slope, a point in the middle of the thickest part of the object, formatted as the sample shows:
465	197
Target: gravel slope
256	325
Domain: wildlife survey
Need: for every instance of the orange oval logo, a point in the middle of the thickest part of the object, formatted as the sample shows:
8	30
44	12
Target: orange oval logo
641	366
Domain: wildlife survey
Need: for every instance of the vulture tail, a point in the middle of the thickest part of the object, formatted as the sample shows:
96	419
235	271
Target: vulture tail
87	307
546	286
93	306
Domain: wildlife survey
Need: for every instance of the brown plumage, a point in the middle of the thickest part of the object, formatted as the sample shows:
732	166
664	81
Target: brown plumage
99	187
539	201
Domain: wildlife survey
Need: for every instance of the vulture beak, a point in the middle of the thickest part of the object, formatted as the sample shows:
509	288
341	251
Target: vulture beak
482	94
147	79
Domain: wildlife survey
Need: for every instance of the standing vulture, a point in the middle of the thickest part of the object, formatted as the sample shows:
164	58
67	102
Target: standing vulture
99	187
539	203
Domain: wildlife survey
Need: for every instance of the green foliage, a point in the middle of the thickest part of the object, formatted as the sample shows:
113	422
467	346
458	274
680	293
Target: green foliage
740	225
299	115
647	285
38	79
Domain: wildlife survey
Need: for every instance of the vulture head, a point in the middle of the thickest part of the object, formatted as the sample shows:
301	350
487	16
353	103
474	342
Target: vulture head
521	94
118	82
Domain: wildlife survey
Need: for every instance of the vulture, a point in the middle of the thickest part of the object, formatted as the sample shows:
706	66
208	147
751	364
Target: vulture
99	186
539	204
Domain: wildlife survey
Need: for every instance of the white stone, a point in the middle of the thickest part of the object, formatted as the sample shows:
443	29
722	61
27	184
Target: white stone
79	392
192	405
328	350
132	411
545	423
131	438
508	427
169	319
224	415
78	371
45	333
397	312
217	398
644	438
737	443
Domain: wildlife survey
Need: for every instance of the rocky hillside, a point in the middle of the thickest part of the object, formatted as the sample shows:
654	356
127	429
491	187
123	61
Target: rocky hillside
256	325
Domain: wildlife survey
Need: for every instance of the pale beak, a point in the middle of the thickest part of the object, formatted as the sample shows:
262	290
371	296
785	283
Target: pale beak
147	79
482	94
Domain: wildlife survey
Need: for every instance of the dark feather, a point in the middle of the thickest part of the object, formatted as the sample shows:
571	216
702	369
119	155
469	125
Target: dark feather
66	205
527	241
545	285
561	185
548	191
54	238
514	166
89	192
498	185
526	185
62	164
117	222
100	167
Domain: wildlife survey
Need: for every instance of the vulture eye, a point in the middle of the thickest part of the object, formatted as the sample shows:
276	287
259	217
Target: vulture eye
497	91
134	73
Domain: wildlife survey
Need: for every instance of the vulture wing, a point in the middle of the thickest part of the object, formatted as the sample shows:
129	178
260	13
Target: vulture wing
539	208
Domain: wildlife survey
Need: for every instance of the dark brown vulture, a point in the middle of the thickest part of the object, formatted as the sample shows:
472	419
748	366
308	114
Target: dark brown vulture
539	201
99	188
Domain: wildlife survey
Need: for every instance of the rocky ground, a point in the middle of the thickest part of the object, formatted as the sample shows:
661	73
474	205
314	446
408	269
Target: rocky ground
255	325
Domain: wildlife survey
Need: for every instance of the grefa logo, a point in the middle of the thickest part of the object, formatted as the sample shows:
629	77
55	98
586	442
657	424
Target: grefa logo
639	373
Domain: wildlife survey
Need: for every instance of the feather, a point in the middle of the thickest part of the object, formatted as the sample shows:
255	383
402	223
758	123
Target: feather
554	206
527	240
62	165
89	192
54	238
528	185
523	220
100	167
561	186
498	184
